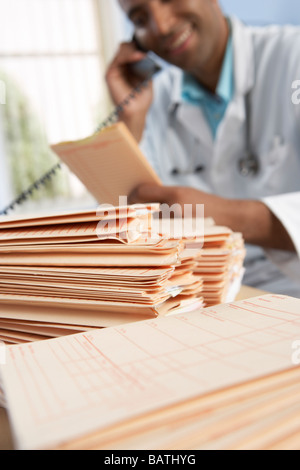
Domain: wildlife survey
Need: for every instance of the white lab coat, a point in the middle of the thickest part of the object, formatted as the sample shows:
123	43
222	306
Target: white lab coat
266	64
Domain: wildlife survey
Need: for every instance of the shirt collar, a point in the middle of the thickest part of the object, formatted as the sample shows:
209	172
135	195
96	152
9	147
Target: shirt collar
192	91
225	88
243	64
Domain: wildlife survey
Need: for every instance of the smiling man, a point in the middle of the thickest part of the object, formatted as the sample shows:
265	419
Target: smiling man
219	126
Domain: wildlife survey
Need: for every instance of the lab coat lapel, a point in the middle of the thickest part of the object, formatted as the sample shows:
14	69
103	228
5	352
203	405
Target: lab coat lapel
192	118
189	116
230	140
244	78
244	69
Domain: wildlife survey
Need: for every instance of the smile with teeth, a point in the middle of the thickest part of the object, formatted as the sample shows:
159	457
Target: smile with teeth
180	41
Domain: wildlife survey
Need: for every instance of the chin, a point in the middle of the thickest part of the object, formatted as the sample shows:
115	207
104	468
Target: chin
186	63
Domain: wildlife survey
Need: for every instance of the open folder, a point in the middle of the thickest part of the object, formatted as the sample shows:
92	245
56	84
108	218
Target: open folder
110	163
221	377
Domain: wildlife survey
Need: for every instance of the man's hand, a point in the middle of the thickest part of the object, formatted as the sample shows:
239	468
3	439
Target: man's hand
121	81
171	195
253	219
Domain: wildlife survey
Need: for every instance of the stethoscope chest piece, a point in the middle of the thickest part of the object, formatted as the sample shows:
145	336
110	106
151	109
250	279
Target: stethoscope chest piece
248	166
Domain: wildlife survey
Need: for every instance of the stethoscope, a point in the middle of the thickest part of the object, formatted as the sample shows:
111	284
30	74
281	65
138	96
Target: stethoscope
248	166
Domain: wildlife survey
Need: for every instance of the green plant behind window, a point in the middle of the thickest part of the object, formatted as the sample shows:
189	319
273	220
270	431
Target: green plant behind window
27	151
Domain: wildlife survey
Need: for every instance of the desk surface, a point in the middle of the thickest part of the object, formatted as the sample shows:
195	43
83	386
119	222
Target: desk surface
6	441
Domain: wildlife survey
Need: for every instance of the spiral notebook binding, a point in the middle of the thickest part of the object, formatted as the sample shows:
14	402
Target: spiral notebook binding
111	119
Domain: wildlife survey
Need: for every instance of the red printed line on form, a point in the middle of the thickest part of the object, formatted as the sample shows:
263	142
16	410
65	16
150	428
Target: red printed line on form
178	368
115	367
21	370
239	307
270	308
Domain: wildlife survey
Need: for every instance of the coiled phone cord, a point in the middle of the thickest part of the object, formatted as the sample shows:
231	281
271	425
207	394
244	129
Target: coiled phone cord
111	119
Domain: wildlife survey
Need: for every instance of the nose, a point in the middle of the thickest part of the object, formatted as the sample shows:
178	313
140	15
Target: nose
162	18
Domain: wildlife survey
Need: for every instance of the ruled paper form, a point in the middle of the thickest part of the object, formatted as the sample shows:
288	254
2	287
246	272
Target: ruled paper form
98	230
109	163
64	388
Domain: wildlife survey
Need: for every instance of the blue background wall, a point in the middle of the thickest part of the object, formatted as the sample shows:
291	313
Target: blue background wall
264	11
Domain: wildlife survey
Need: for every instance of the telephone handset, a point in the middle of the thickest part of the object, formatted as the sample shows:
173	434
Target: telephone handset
146	67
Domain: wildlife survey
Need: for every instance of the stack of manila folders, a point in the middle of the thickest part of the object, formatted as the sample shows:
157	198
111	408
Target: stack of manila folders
68	272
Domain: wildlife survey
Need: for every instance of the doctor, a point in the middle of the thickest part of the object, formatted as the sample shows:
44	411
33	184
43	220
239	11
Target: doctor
220	126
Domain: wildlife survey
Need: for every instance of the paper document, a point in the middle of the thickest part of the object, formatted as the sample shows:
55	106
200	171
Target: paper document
87	268
110	163
66	388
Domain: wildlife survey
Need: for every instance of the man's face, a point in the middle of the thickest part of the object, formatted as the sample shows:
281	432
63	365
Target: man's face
185	33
